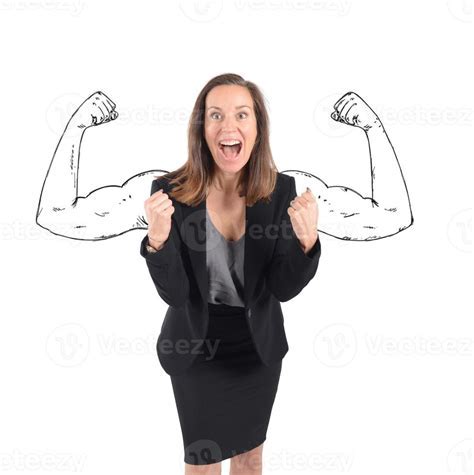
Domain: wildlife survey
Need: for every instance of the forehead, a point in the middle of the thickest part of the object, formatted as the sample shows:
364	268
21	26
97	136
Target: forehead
228	96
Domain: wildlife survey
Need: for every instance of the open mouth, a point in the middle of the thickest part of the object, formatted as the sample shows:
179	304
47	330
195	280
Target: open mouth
230	149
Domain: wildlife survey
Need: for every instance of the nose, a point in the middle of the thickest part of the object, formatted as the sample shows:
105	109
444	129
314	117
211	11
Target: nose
229	123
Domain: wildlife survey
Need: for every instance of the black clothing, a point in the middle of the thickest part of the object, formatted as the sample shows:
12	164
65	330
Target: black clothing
275	270
225	398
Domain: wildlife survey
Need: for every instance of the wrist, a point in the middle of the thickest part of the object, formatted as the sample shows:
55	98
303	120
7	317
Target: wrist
157	245
307	245
374	127
74	128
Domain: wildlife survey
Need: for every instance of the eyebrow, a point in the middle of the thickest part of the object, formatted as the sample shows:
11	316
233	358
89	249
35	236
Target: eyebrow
238	107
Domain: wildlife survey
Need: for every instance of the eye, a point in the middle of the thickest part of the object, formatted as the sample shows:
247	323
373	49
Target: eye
213	114
244	113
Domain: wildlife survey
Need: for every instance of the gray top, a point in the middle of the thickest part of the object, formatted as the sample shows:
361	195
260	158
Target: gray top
225	267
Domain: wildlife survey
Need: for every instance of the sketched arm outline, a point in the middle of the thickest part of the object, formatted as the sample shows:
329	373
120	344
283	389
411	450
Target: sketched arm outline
103	213
113	210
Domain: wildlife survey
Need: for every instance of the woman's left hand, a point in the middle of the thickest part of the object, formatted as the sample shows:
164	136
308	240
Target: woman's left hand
304	213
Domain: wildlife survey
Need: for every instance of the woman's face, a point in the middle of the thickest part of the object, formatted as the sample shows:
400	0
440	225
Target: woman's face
230	118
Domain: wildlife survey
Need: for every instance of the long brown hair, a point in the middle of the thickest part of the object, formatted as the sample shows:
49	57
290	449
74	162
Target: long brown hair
258	177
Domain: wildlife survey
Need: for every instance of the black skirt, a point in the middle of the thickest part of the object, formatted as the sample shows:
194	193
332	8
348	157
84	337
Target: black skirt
225	398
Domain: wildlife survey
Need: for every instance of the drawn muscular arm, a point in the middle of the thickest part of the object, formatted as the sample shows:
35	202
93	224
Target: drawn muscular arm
113	210
343	212
103	213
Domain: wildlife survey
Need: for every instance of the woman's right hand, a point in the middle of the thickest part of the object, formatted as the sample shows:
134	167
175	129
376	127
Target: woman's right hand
159	209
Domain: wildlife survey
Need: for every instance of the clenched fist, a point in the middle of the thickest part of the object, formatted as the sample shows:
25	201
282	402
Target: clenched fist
159	209
304	213
95	110
351	109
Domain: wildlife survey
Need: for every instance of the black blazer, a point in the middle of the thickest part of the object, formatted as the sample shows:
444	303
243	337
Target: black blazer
275	270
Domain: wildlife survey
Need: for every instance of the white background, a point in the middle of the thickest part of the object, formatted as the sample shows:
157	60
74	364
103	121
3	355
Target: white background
376	379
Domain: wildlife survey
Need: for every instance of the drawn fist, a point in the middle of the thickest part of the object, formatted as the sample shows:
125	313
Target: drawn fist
351	109
159	209
95	110
304	213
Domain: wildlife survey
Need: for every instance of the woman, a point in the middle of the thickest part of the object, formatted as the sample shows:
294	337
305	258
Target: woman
228	239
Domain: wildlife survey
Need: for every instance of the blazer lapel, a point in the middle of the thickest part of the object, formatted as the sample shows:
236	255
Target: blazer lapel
193	231
257	218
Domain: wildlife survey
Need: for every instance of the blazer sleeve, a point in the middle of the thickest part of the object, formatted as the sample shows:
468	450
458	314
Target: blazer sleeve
290	269
166	266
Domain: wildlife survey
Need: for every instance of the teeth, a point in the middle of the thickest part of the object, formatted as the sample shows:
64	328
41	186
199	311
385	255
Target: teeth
229	142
